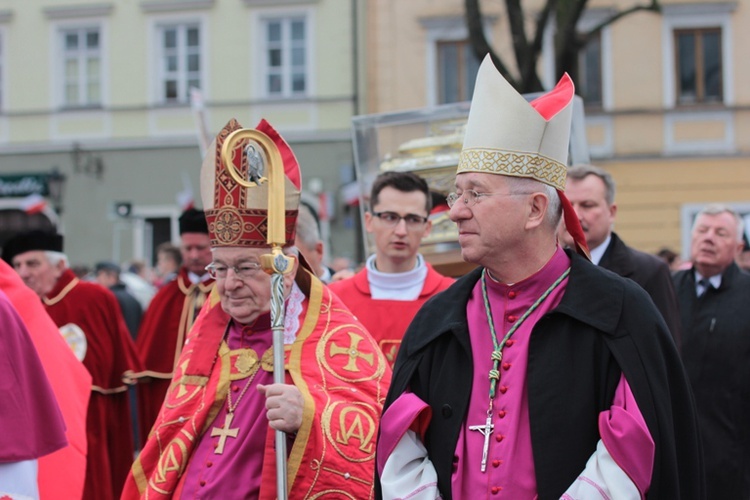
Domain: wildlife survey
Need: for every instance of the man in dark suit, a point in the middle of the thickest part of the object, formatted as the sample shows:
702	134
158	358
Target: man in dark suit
713	297
591	191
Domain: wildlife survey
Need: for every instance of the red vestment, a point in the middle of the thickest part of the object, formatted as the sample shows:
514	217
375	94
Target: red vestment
162	333
110	354
334	363
386	320
62	473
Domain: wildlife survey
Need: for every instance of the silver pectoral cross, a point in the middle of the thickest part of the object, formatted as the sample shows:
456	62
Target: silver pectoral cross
486	430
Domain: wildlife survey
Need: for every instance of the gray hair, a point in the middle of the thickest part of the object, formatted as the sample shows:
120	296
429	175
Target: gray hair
580	172
719	208
56	257
307	227
527	185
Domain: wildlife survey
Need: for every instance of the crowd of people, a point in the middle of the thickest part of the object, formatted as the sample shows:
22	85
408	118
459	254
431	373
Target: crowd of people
565	365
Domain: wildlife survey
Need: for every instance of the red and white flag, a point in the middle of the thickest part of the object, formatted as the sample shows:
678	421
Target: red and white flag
33	203
351	194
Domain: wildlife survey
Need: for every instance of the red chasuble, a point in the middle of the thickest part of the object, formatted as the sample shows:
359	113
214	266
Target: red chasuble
162	333
62	473
386	320
343	378
110	353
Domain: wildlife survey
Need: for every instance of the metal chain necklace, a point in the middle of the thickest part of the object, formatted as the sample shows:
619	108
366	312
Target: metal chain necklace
497	354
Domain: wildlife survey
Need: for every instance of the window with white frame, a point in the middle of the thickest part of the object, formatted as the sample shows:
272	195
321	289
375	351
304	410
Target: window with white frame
699	72
696	45
81	67
590	71
457	71
285	56
179	61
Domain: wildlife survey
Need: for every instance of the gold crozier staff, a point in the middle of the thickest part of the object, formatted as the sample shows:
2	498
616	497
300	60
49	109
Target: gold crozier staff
276	263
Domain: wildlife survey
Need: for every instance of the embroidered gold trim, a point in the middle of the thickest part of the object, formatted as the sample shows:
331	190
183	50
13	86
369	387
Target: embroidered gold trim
107	392
54	300
495	161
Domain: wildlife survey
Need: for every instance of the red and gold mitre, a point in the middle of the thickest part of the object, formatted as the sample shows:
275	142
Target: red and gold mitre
237	214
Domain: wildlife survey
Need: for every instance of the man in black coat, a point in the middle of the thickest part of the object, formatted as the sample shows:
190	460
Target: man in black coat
591	191
538	375
716	348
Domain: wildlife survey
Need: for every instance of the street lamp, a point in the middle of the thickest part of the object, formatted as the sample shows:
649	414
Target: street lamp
55	187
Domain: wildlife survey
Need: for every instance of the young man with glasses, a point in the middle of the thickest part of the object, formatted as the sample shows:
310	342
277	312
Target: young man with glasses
396	279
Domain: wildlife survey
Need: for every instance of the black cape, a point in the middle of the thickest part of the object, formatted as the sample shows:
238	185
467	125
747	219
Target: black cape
603	326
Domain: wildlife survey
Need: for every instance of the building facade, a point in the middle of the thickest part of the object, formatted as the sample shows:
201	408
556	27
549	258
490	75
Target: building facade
121	97
667	101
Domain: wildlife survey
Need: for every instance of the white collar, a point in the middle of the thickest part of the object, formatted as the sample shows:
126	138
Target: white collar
194	278
598	252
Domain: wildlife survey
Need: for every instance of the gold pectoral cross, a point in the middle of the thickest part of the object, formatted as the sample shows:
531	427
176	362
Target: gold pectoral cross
486	430
224	433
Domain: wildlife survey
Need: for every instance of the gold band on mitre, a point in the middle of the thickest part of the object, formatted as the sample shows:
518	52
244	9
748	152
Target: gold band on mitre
513	163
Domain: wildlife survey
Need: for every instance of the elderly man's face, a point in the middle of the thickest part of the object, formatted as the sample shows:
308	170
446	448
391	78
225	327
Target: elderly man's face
494	225
196	252
715	243
246	298
37	272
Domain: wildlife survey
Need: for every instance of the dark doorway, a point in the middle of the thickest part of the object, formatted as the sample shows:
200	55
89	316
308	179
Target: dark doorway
161	231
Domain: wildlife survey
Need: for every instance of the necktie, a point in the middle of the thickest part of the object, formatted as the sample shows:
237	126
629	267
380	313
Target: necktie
704	286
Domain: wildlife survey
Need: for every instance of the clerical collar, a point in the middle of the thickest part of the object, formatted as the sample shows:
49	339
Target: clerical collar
194	278
396	286
538	281
598	252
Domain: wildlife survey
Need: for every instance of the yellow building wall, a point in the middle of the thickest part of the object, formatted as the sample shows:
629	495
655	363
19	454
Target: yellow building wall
650	195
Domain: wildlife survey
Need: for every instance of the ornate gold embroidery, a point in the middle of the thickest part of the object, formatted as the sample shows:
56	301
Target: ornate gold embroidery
356	429
228	225
354	433
170	461
493	161
246	360
352	352
359	362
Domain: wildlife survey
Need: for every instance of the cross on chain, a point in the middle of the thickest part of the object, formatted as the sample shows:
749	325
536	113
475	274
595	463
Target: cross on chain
485	430
224	433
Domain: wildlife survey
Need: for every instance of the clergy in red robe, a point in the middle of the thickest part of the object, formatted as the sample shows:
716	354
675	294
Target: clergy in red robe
89	318
62	473
396	279
31	421
223	409
537	375
169	317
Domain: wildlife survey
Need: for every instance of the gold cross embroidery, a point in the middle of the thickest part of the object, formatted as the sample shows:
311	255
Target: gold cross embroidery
352	352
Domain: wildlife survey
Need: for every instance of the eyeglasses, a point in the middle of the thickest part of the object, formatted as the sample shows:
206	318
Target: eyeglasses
391	219
243	271
471	197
